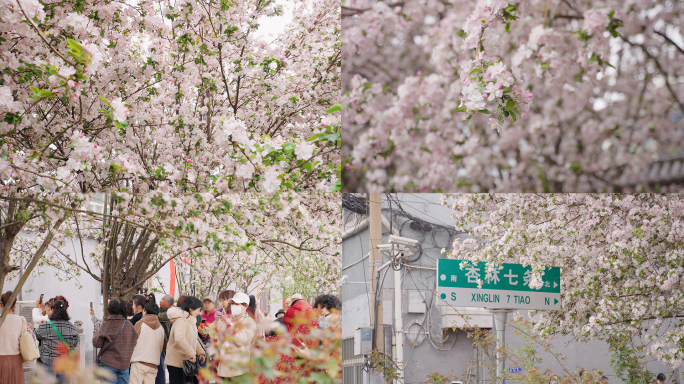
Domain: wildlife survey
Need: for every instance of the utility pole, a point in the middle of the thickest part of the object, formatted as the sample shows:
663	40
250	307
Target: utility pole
375	227
500	319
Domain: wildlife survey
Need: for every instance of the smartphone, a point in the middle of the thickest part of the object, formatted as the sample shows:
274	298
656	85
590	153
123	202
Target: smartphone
41	298
91	305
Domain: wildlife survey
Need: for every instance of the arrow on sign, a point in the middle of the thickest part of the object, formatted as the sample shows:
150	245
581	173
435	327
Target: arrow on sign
555	301
555	284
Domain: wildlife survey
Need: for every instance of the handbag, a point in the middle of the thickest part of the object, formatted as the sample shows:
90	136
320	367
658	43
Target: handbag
108	345
27	346
190	368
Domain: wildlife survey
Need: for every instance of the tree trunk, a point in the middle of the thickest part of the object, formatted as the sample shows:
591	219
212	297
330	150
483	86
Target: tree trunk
7	236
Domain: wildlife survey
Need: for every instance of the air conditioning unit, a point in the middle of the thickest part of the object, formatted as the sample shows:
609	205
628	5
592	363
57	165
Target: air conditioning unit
26	310
363	341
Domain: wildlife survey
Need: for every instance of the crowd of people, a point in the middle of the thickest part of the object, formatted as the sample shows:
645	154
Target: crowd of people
139	341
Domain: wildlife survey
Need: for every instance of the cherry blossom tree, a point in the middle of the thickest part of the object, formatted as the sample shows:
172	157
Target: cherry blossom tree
142	232
183	95
299	250
621	261
493	95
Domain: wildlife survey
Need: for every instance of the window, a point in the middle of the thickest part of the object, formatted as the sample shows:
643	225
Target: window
352	365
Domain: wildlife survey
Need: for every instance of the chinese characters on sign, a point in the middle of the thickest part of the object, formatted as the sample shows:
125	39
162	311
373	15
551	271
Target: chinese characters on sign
507	286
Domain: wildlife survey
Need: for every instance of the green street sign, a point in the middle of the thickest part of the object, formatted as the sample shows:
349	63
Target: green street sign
507	287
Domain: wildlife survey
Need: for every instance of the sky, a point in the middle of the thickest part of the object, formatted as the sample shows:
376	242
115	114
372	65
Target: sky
274	25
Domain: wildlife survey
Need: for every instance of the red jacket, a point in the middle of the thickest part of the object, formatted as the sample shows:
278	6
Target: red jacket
302	311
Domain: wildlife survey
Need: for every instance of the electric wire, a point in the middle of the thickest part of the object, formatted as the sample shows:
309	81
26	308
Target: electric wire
428	232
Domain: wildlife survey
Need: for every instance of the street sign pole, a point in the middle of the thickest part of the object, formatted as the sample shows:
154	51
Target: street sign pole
500	290
500	319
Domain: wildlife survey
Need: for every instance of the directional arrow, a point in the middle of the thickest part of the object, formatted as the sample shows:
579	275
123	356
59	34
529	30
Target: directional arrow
555	301
555	284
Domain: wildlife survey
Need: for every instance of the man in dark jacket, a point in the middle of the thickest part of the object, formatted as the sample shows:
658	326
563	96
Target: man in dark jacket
117	338
164	305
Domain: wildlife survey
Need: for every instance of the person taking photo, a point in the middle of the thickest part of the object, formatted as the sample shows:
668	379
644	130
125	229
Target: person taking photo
117	338
238	330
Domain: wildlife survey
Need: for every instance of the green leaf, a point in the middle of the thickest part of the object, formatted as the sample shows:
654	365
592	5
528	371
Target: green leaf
487	111
337	187
476	70
611	14
314	137
508	27
289	147
11	118
513	116
103	99
75	46
334	108
331	137
510	104
308	166
461	110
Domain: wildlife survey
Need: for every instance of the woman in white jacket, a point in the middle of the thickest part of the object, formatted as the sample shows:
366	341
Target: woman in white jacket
237	331
183	344
38	311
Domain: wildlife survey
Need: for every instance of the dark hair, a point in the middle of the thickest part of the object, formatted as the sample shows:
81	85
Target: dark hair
66	302
227	294
328	301
190	303
59	311
180	301
151	309
117	306
139	300
661	377
5	299
129	309
251	307
151	298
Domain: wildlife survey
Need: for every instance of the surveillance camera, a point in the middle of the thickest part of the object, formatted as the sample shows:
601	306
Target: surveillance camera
402	241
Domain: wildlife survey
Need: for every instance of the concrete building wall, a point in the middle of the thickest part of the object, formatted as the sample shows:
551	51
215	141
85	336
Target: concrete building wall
457	352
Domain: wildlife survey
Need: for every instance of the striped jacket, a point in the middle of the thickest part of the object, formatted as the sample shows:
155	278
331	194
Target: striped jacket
48	339
117	355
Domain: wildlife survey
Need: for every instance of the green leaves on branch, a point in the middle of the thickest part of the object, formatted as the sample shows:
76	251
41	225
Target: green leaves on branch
334	108
75	50
41	93
614	24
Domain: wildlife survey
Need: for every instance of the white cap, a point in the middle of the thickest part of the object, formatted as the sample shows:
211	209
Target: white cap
241	298
297	296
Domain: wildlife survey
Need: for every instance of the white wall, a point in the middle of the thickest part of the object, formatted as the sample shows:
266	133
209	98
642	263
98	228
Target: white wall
79	291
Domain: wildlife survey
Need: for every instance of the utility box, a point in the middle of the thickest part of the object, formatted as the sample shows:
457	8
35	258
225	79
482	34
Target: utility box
363	341
416	303
454	317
